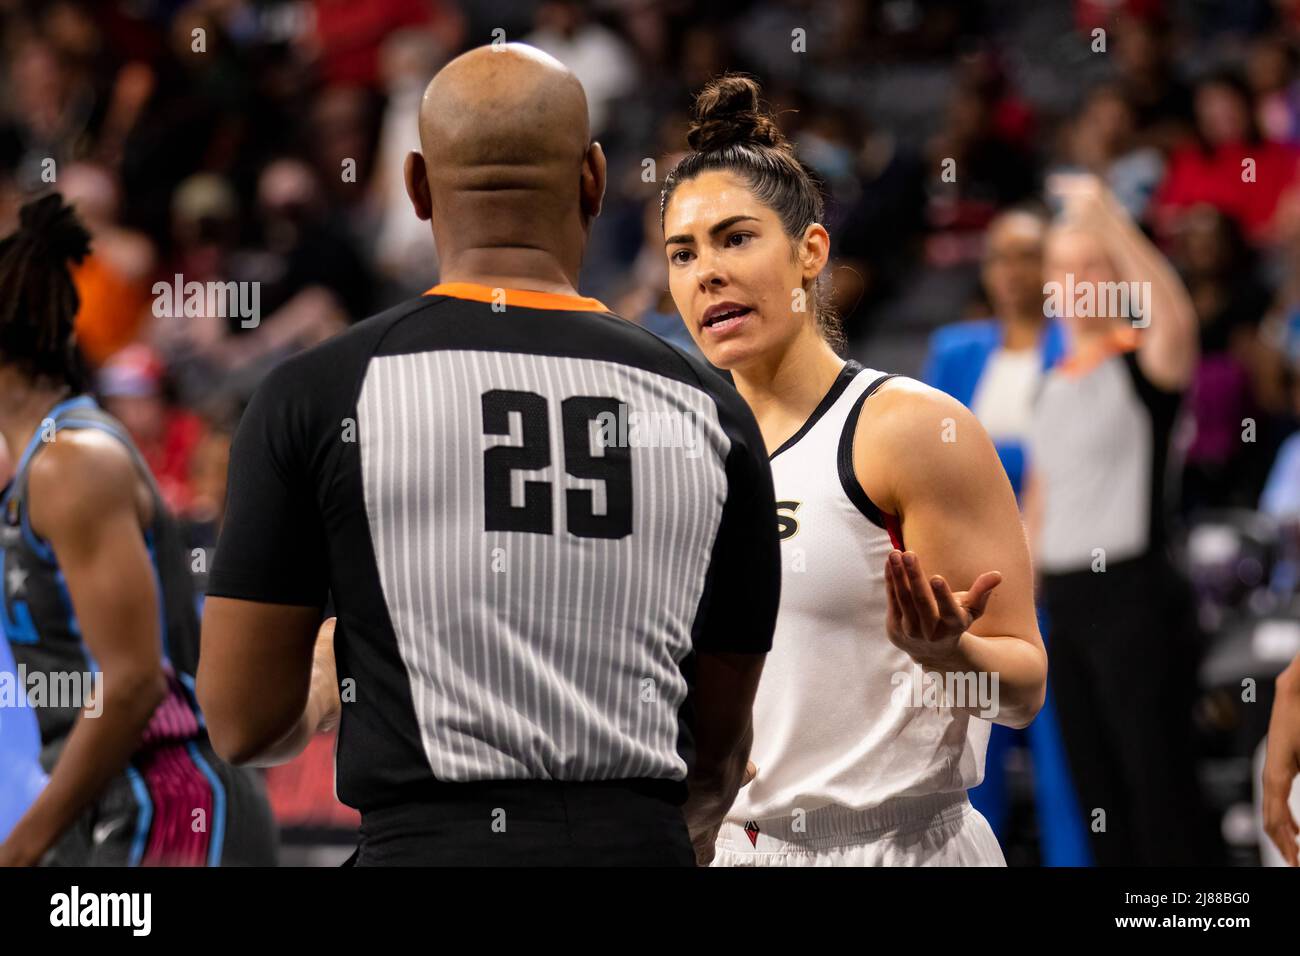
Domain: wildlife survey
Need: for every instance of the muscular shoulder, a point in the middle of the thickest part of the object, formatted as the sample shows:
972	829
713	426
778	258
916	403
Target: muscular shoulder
905	416
914	439
82	477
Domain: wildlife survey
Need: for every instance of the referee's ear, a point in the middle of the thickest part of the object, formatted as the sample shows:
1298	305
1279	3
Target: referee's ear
592	189
417	184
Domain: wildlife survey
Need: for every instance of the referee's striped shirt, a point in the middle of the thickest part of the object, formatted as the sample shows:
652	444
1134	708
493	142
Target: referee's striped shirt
530	515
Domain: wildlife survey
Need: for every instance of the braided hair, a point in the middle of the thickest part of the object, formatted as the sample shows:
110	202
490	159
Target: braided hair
38	300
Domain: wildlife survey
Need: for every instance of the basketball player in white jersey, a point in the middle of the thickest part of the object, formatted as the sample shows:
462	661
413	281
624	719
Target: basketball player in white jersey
871	718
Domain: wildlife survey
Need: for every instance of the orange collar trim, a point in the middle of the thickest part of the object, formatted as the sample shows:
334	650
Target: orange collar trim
524	298
1117	343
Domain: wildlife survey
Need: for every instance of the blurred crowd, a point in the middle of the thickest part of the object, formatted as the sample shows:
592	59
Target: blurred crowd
262	142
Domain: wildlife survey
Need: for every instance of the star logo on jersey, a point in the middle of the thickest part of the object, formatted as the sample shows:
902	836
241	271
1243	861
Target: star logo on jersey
17	581
751	831
103	831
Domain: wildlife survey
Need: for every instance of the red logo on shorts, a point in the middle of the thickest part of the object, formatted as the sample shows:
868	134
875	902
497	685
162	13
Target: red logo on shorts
751	831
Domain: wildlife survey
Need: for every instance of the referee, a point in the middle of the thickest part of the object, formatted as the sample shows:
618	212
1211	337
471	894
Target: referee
548	537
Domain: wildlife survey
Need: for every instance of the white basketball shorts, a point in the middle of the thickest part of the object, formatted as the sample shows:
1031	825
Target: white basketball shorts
933	830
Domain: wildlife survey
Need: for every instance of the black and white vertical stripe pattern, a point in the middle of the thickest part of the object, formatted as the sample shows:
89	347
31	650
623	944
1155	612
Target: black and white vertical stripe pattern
563	665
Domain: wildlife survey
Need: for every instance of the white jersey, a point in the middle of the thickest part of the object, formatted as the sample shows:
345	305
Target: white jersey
836	722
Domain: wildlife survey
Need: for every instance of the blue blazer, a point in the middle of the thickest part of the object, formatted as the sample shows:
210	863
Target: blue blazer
956	361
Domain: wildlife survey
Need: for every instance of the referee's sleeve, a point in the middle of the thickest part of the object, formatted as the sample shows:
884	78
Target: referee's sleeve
743	589
272	547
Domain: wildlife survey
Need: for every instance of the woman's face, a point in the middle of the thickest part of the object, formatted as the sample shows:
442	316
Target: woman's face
1205	248
1013	265
1221	114
1074	259
1108	118
736	278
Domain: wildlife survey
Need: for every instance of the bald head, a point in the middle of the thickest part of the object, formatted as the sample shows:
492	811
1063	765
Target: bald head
507	159
510	104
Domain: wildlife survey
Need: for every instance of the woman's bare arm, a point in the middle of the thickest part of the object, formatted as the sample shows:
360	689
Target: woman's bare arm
84	503
963	601
1169	343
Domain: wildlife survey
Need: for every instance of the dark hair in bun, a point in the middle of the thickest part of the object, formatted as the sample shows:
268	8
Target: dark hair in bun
732	131
38	300
727	111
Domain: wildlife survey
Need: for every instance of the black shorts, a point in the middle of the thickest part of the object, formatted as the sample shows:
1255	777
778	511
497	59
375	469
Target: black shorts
177	804
531	823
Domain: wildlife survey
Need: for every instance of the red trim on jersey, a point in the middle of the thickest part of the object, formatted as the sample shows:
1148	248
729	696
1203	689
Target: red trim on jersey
894	528
1117	342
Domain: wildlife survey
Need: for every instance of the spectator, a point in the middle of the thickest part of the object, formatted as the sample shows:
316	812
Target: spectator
995	367
113	281
976	168
1121	616
1144	45
1103	141
1281	497
1230	166
1271	73
1220	468
133	391
404	250
348	36
50	107
599	58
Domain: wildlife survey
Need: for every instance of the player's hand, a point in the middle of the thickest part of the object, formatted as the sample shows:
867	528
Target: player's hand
324	679
1282	763
1082	198
702	842
926	618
